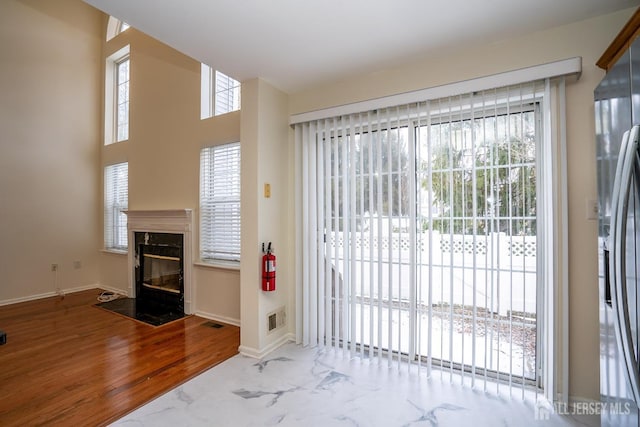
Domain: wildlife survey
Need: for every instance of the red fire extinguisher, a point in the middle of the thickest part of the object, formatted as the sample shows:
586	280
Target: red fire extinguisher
268	269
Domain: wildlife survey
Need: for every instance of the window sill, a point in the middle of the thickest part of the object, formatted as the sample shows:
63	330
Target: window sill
112	143
220	265
114	251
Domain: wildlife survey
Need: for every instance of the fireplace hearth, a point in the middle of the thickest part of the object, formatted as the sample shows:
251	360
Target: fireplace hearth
151	315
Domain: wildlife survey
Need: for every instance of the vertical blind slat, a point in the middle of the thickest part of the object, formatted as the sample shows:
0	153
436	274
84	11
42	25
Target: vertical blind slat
351	325
308	298
327	235
319	237
313	246
337	282
371	235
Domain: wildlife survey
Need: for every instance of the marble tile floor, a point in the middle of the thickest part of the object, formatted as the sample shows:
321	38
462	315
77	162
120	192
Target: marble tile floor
297	386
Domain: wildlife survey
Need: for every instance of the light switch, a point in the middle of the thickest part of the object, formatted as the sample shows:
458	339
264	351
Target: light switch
592	209
267	190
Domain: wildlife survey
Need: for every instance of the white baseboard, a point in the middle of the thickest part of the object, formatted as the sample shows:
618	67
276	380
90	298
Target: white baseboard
223	319
259	354
53	294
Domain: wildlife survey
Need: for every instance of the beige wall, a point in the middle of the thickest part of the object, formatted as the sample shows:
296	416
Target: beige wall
587	39
163	151
51	159
49	153
264	145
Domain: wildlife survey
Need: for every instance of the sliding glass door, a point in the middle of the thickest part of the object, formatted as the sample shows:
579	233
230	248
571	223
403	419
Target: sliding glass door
422	234
476	285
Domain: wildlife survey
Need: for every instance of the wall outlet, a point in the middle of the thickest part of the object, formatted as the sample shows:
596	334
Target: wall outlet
54	267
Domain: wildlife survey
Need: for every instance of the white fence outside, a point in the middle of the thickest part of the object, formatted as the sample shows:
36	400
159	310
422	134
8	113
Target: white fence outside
496	274
496	271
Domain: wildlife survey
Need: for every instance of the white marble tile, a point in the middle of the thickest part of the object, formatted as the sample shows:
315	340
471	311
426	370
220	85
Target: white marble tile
296	386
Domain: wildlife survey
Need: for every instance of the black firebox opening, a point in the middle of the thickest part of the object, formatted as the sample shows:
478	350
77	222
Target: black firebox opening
159	272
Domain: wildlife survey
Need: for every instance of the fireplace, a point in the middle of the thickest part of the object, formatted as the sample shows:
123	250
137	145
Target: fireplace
159	271
160	260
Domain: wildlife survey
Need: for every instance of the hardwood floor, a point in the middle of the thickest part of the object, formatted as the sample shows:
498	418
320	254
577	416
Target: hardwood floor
69	363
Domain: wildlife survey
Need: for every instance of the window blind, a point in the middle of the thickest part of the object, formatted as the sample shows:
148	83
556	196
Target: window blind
220	202
424	231
116	201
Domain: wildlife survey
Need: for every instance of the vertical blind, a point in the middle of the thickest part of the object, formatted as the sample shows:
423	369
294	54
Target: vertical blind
419	236
220	202
116	201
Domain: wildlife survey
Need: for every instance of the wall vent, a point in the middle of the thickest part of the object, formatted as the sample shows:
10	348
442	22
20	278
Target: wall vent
276	319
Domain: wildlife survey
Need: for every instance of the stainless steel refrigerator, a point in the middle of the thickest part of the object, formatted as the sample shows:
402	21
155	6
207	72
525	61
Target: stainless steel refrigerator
617	113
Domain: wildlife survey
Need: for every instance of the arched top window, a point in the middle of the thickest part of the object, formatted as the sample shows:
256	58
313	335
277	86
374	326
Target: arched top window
115	27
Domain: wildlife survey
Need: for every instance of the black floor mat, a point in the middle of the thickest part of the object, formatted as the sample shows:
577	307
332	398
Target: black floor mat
154	316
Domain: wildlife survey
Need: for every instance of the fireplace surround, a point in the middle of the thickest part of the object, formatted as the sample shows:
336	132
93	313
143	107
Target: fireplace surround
160	258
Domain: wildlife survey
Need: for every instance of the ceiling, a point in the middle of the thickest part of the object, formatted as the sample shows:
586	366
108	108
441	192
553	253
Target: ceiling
296	44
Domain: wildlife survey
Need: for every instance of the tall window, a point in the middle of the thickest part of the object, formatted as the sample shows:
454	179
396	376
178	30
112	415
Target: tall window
122	99
116	201
220	94
220	203
115	27
116	120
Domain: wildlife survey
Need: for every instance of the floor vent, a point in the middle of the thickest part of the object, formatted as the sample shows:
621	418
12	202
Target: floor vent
213	325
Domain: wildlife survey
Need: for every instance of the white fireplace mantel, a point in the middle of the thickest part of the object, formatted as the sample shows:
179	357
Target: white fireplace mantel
178	221
174	220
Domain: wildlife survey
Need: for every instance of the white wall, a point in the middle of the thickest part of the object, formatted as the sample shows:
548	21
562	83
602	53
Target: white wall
49	152
587	39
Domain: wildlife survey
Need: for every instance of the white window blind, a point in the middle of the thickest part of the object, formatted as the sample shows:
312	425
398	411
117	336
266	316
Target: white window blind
116	201
122	100
220	202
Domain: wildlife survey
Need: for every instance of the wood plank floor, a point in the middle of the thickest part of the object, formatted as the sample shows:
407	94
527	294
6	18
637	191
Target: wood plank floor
69	363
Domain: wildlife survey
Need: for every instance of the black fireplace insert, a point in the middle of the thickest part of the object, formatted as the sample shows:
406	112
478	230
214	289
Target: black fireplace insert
159	272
